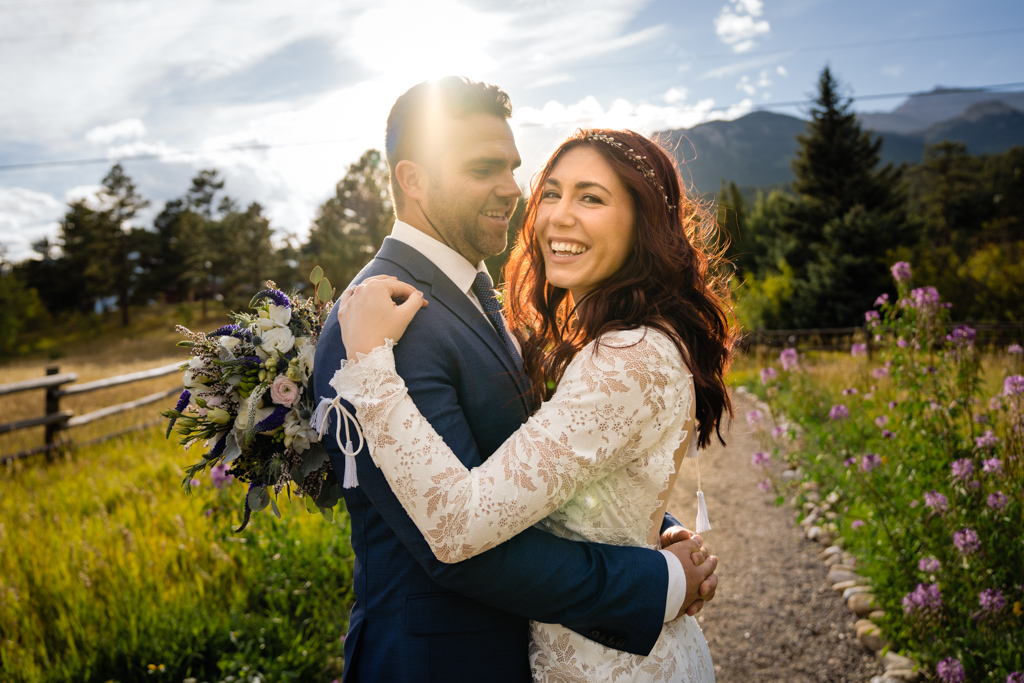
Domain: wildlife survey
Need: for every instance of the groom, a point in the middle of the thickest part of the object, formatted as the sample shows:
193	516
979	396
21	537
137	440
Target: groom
451	154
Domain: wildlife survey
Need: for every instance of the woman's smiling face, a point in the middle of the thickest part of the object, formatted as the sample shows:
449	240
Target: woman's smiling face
585	222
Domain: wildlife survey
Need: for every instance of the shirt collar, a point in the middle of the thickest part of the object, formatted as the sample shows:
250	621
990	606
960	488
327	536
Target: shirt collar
450	262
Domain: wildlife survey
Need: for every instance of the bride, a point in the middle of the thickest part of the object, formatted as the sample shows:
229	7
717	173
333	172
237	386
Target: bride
622	322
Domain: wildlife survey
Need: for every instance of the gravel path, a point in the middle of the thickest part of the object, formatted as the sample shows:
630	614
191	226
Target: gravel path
775	617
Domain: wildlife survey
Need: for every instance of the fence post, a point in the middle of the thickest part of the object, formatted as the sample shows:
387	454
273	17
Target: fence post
52	406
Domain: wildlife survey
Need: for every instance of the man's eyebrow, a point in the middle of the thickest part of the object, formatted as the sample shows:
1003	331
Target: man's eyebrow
491	161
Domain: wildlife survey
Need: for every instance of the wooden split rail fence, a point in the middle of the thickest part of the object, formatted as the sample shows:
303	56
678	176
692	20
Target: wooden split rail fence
57	421
990	335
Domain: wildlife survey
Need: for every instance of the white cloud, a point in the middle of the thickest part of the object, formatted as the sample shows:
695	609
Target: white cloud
745	85
676	95
764	81
554	79
124	129
781	70
738	27
739	67
26	216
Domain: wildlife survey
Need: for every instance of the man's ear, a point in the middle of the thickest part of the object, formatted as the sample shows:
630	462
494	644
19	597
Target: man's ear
413	180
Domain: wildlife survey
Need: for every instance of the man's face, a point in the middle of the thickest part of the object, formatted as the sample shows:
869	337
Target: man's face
471	193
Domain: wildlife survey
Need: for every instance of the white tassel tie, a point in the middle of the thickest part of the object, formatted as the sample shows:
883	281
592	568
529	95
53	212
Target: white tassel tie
318	421
703	523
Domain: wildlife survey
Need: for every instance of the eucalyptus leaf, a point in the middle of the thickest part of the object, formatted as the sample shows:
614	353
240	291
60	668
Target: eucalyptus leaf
323	290
258	498
310	504
316	275
273	508
312	460
327	513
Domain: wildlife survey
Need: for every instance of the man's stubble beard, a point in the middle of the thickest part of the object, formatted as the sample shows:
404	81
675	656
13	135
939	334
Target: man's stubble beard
460	232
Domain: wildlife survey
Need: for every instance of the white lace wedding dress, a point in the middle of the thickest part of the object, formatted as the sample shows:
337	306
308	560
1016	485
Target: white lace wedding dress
588	465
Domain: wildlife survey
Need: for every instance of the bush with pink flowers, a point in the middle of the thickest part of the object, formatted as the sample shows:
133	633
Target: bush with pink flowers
927	472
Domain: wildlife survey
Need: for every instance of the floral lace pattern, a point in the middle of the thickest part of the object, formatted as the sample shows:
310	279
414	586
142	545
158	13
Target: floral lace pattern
588	465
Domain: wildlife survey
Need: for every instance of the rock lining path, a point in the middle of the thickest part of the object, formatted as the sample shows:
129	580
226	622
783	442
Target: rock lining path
775	617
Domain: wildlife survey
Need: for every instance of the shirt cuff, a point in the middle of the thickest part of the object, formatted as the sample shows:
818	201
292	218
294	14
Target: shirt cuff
676	585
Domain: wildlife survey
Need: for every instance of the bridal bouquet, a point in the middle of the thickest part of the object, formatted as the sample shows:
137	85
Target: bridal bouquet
248	399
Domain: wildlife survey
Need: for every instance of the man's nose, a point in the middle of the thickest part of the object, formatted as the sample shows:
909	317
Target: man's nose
508	188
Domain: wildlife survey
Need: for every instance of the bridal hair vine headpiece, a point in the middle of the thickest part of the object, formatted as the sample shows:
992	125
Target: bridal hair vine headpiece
638	160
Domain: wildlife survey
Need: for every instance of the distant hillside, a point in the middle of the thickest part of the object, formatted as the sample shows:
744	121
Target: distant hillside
755	150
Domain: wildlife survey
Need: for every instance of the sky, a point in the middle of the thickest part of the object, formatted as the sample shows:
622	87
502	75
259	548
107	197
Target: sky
310	83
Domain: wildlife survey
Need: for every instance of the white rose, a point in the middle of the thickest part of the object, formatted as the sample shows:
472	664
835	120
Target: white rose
307	351
298	434
192	380
227	347
278	339
276	316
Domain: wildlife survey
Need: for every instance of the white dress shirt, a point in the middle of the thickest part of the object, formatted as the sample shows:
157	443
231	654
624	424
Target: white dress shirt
460	271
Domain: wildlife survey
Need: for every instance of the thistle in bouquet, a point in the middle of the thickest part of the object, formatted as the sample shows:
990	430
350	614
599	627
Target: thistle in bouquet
247	400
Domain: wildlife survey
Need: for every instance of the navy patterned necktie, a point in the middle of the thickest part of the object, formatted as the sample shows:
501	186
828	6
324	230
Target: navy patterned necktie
485	295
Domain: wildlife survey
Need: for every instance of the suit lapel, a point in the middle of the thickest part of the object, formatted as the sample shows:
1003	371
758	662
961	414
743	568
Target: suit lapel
442	290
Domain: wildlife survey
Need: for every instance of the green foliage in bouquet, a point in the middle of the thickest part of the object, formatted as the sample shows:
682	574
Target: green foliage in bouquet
923	469
248	400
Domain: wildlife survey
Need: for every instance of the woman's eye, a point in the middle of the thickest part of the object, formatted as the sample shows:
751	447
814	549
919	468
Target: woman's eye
592	199
549	194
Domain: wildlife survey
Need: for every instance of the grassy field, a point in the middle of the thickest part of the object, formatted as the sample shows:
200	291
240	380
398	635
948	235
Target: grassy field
109	572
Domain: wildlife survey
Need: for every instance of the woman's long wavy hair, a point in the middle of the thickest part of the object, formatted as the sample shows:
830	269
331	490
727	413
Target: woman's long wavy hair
674	280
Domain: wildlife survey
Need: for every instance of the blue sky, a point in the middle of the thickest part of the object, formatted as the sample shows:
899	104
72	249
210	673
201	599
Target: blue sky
314	80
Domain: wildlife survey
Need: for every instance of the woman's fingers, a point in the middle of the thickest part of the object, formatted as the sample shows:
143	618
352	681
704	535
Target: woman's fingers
369	314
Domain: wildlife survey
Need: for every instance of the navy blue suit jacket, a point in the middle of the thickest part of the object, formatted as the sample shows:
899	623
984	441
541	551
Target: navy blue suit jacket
416	619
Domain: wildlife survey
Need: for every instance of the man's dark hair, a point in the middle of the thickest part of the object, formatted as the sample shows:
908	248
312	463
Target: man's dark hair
410	118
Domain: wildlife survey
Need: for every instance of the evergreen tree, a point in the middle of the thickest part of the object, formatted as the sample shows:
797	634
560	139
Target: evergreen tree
350	227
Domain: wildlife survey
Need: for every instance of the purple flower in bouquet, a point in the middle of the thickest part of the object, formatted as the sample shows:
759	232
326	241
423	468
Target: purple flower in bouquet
924	598
992	466
986	440
275	295
1013	385
1015	349
754	416
950	670
870	461
219	476
857	523
859	349
765	485
183	401
881	421
992	600
768	375
272	421
880	373
967	541
936	501
838	412
963	469
998	500
789	359
872	317
760	459
882	299
901	271
929	565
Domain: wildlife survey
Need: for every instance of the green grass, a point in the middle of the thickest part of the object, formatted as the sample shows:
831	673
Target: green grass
109	572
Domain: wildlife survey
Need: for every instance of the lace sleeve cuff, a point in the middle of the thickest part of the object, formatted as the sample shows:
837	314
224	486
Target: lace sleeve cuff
367	373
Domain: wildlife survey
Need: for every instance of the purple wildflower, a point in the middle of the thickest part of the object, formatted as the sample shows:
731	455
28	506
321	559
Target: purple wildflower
992	600
881	421
986	440
870	461
995	403
219	476
195	482
1013	385
980	418
892	405
886	434
1015	349
901	342
272	421
879	373
936	501
882	299
754	416
992	466
760	459
768	375
997	500
950	670
929	565
966	541
924	598
962	335
859	349
872	317
850	391
778	433
183	401
963	469
850	462
838	412
924	297
275	295
765	485
1015	677
857	523
789	359
901	271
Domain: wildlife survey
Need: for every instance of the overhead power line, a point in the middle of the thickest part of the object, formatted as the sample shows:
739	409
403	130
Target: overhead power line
260	146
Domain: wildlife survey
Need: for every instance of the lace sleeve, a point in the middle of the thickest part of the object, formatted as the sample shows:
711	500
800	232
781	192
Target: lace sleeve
609	408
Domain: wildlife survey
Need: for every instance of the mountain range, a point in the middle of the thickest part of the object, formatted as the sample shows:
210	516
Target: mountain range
755	150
